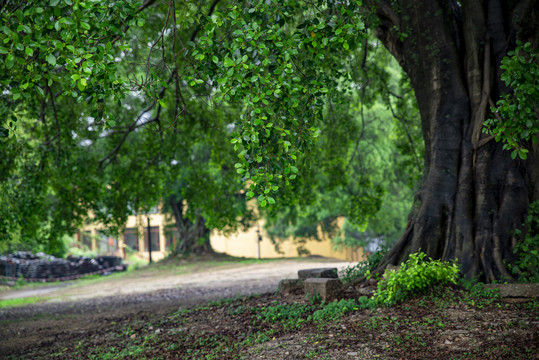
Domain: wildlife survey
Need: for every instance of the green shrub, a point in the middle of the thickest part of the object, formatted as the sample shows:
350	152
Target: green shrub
356	272
413	277
527	250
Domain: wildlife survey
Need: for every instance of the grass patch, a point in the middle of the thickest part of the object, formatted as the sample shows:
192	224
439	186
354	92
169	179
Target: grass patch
20	301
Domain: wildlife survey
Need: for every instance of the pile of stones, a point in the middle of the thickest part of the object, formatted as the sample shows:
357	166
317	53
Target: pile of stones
321	281
43	266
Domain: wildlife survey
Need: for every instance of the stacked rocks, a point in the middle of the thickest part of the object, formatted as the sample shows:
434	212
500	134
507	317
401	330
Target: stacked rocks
43	266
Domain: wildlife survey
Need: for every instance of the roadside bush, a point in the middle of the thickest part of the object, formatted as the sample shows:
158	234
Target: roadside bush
135	262
80	250
413	277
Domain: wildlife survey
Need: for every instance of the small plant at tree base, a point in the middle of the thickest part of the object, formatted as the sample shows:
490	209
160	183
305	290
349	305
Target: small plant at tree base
414	276
356	272
527	250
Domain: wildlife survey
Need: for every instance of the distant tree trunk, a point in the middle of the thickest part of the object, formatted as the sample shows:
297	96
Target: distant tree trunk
194	236
472	195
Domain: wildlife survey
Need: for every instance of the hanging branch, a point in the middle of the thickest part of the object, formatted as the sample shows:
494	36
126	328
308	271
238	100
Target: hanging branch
362	133
408	135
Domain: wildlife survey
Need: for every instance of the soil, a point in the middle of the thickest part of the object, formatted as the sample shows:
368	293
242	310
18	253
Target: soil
159	316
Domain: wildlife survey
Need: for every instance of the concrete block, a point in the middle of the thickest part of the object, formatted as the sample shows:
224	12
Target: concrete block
516	290
328	288
290	286
318	273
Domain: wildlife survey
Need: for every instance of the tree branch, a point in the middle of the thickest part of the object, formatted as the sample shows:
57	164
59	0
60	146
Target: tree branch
130	129
141	8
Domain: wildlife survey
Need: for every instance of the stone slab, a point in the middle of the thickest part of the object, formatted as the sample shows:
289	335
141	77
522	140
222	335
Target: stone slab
318	273
328	288
290	286
516	290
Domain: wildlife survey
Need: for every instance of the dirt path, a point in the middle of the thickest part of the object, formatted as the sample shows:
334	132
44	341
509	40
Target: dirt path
77	311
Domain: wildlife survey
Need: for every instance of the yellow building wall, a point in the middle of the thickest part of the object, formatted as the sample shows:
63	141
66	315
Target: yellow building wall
245	244
139	222
240	244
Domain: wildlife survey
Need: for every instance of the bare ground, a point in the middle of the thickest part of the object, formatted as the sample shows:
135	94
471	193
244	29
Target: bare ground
145	316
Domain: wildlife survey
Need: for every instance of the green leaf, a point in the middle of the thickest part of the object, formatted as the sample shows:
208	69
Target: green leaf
228	62
3	50
54	2
215	59
82	84
51	59
29	51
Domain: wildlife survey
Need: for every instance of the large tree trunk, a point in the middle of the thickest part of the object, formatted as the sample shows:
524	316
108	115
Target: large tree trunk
194	236
472	195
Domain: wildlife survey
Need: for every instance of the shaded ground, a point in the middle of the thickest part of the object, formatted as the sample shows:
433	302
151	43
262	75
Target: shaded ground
73	310
162	324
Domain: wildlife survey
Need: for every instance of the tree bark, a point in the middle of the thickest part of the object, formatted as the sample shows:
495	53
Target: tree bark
472	195
194	236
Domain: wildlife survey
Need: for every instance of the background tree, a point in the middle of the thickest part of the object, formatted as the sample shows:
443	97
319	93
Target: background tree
117	151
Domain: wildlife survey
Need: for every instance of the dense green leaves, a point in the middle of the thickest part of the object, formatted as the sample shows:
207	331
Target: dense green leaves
54	73
61	48
516	113
272	63
414	277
